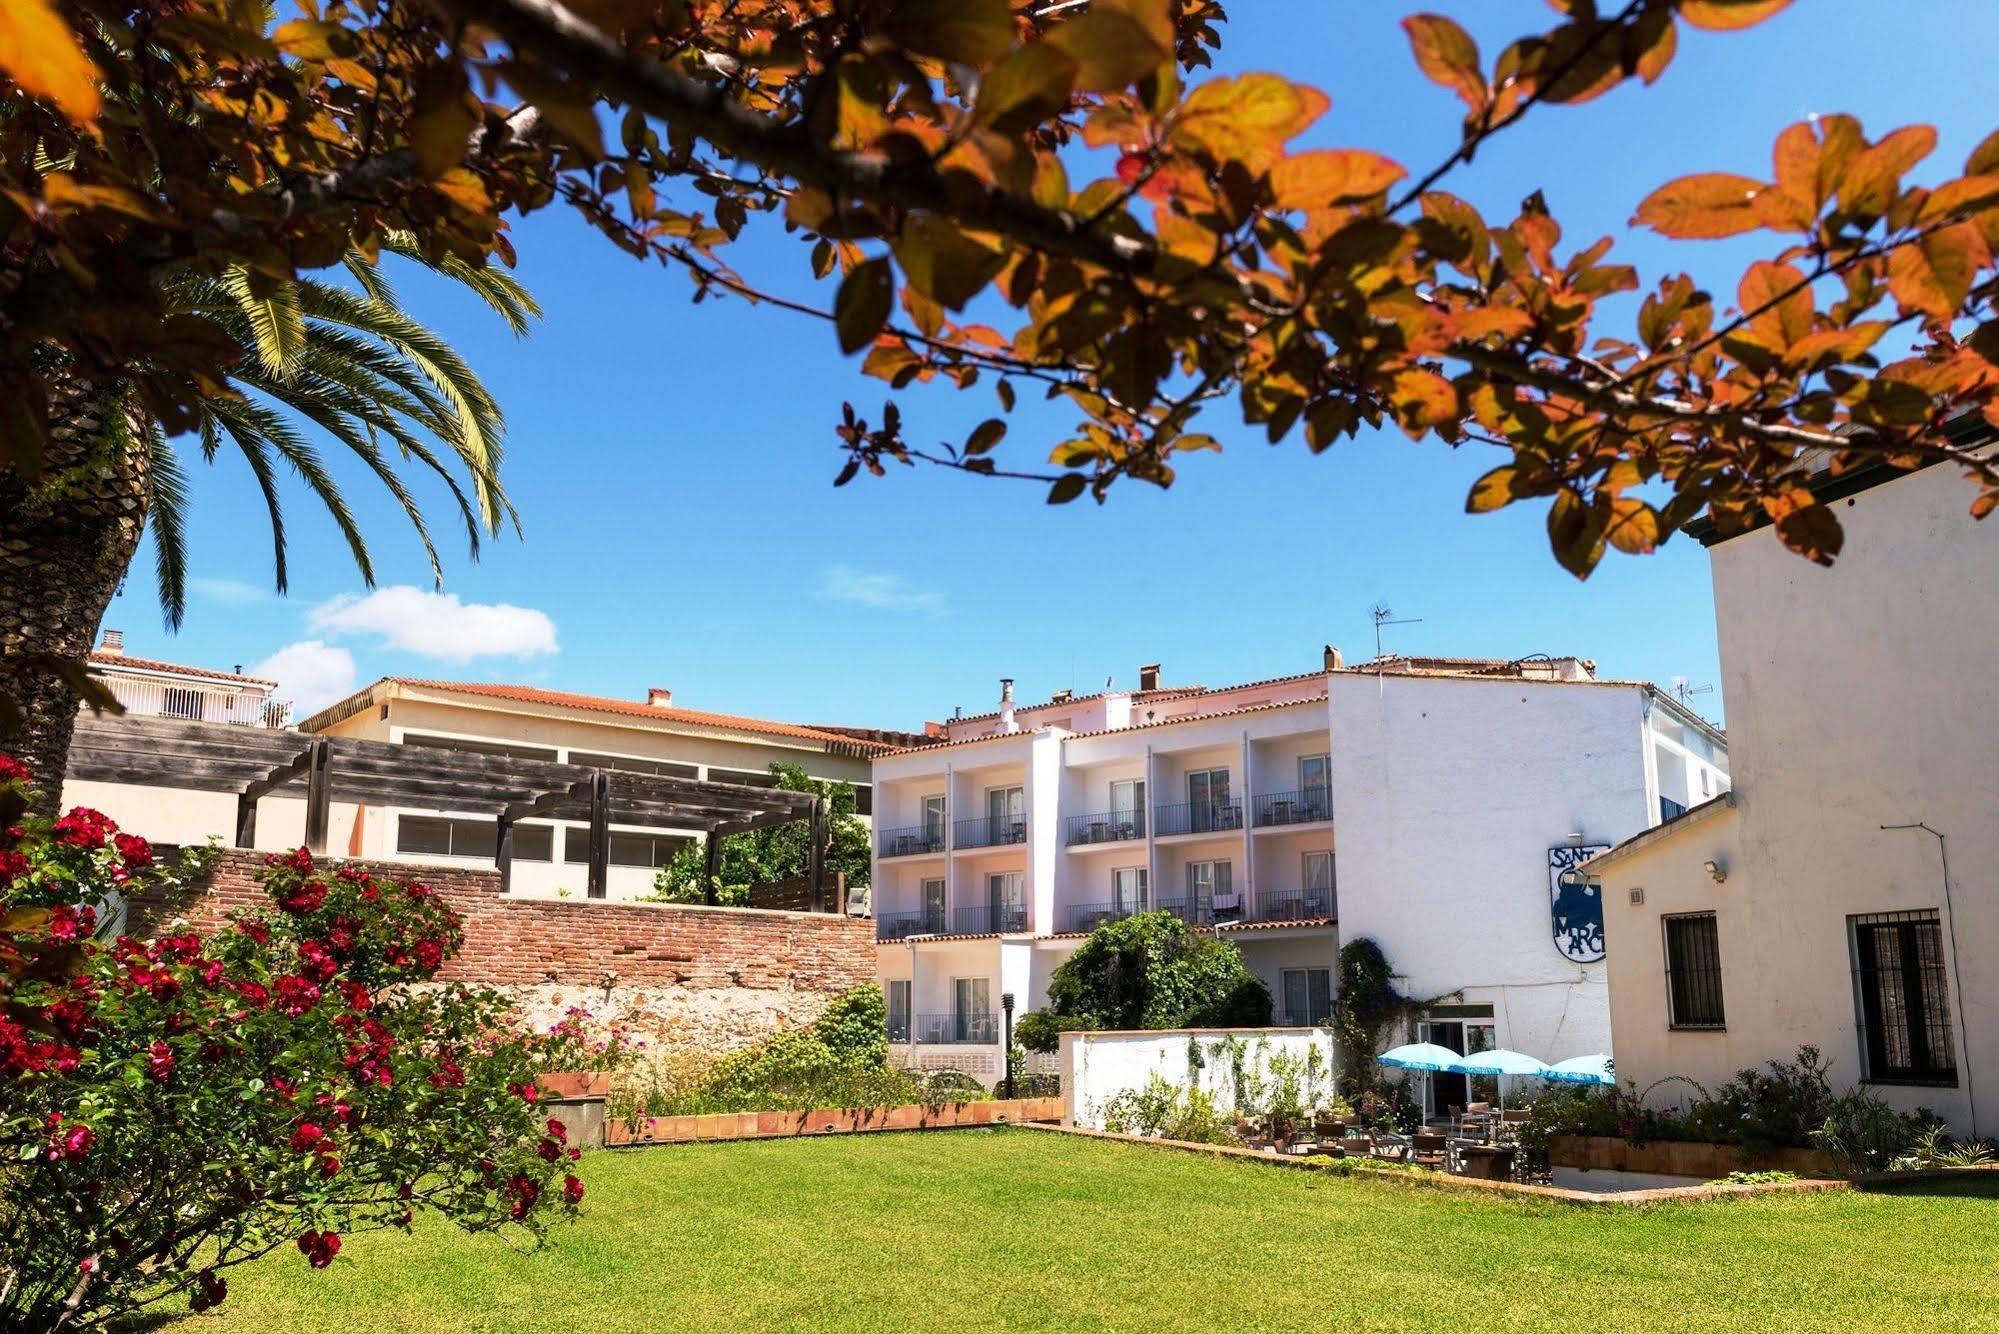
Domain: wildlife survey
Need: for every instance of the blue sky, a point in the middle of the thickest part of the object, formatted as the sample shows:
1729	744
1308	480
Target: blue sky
673	463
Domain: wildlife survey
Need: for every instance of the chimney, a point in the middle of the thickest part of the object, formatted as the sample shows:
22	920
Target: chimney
935	731
1061	697
114	642
1334	661
1148	676
659	697
1006	722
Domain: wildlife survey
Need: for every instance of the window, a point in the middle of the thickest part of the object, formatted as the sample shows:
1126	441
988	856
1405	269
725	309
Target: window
627	764
743	777
647	850
1128	889
1315	772
1307	995
436	836
534	843
1320	900
1207	791
933	822
1904	1000
864	798
898	1011
1693	971
1006	814
933	907
1707	779
972	1013
1128	806
478	747
1670	809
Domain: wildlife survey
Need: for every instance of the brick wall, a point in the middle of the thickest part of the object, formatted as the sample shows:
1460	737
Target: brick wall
694	982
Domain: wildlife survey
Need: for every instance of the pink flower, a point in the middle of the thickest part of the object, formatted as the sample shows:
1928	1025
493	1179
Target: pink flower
67	1145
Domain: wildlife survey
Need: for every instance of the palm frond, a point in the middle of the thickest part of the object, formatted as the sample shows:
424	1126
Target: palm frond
167	513
369	274
217	413
277	436
272	308
498	288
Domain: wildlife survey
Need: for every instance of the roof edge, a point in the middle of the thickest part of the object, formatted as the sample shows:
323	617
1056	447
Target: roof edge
1659	833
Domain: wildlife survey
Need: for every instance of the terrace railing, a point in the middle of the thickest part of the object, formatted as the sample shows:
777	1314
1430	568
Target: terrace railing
1202	817
1293	905
1105	827
986	918
989	831
956	1028
1194	912
1090	916
1302	807
898	926
198	704
910	842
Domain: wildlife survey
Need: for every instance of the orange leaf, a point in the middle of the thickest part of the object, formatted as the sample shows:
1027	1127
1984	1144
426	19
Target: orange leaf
1875	174
1112	50
968	32
40	53
1247	119
861	306
1728	15
1331	176
1633	527
1423	399
1783	298
1712	204
1969	195
1492	491
1985	157
1507	321
1840	345
1934	275
1028	86
1447	54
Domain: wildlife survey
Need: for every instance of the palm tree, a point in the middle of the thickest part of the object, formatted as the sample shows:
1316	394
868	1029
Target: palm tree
350	362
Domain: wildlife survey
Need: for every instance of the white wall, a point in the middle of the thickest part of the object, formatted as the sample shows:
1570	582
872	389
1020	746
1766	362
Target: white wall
1097	1067
1856	698
1448	794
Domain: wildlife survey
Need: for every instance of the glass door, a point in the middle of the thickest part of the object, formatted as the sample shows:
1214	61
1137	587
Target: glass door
898	1011
933	823
1319	900
1006	814
1308	995
1208	799
1128	807
972	1018
1212	892
933	907
1006	899
1128	890
1315	796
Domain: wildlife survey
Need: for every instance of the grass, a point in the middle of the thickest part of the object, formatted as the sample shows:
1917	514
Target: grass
1027	1230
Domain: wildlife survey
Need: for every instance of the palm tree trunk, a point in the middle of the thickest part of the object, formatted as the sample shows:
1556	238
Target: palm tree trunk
66	540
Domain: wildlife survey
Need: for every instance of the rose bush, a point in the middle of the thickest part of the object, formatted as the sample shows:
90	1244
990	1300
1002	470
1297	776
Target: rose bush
169	1108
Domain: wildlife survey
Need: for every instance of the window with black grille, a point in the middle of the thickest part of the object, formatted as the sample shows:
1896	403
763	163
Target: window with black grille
1904	999
1693	971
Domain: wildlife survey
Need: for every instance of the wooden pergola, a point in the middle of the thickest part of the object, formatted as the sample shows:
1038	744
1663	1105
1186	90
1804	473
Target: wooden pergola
254	763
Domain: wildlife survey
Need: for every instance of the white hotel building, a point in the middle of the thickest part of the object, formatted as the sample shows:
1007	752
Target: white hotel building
1419	802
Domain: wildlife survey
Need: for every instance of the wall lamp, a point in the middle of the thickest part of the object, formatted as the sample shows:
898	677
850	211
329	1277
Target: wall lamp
1715	871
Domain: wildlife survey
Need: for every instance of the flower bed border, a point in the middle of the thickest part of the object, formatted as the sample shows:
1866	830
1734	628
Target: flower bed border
1685	1158
829	1121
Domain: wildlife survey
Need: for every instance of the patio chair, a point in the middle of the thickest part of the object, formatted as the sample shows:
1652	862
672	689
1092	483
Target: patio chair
1356	1146
1430	1149
1393	1148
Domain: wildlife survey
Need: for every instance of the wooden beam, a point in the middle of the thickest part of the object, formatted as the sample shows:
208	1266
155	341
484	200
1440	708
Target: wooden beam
280	775
599	885
503	852
246	820
318	797
714	868
818	859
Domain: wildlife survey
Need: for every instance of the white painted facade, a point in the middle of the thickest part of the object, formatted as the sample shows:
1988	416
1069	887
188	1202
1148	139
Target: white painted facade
1854	700
998	851
1097	1067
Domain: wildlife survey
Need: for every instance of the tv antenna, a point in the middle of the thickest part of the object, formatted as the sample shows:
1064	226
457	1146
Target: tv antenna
1687	692
1385	615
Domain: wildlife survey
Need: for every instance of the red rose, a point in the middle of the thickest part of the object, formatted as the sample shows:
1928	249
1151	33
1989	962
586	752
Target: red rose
67	924
255	930
329	1165
296	995
83	828
558	1130
549	1150
319	1248
304	899
356	996
254	994
13	865
13	771
525	1193
160	1061
67	1145
136	852
307	1138
316	962
572	1190
213	1289
429	953
212	972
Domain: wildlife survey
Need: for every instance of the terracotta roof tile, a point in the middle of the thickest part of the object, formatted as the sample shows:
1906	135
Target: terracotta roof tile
639	709
175	668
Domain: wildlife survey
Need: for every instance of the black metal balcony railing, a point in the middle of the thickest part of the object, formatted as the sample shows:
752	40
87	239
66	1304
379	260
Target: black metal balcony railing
1203	817
1108	827
898	1028
1198	912
989	831
986	918
1090	916
1279	808
897	926
912	841
1293	905
957	1028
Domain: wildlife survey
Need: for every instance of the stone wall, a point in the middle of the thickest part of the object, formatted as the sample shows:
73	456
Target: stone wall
692	983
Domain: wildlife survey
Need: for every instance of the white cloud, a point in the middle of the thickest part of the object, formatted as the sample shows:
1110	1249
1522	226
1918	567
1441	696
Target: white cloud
227	592
871	588
438	625
311	674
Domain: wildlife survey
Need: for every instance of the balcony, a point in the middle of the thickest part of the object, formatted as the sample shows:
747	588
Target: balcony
198	704
956	1029
1090	916
989	831
1205	817
1193	912
1306	807
1294	905
990	918
900	926
898	1028
1107	827
915	841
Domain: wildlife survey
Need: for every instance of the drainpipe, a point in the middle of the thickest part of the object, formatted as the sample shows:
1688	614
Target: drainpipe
1950	929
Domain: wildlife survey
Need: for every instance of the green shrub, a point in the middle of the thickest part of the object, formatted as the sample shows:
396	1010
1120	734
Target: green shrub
1771	1178
1162	1109
1148	971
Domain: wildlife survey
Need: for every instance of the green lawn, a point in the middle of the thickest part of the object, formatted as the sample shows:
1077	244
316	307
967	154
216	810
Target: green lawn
1020	1229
